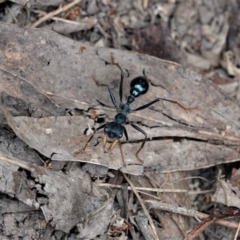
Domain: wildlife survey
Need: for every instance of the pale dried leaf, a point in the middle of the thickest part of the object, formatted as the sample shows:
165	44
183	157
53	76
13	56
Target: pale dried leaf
225	195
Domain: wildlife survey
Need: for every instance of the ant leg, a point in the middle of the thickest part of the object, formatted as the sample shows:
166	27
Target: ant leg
121	82
120	146
82	150
113	144
104	142
103	104
144	73
121	86
146	105
158	99
143	142
125	133
112	97
176	102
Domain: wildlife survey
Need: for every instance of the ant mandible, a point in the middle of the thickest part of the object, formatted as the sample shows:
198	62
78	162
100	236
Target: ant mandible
115	129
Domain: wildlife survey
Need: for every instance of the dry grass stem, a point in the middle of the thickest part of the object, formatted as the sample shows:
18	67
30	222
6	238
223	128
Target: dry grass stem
54	13
143	206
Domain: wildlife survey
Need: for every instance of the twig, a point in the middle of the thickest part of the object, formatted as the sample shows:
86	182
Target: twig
218	214
41	13
157	189
16	162
187	212
145	4
92	214
236	234
54	13
143	207
192	177
12	14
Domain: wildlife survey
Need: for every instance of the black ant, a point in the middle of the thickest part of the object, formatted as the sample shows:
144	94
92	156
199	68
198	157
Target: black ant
115	129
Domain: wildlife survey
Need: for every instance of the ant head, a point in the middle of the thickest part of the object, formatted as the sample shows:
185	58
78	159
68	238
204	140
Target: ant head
114	130
139	86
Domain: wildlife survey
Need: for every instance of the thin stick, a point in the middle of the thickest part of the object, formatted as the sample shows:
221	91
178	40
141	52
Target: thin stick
143	207
41	13
169	207
16	162
158	189
236	234
54	13
187	212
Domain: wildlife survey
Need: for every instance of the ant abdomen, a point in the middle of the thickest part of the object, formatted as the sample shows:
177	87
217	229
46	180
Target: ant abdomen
139	86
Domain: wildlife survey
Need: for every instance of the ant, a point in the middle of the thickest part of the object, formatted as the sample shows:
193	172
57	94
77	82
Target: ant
115	129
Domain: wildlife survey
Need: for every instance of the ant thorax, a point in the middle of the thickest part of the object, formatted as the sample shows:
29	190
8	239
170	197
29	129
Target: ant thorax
124	109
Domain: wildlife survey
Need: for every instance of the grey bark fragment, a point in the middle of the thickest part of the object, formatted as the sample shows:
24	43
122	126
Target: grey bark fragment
70	199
